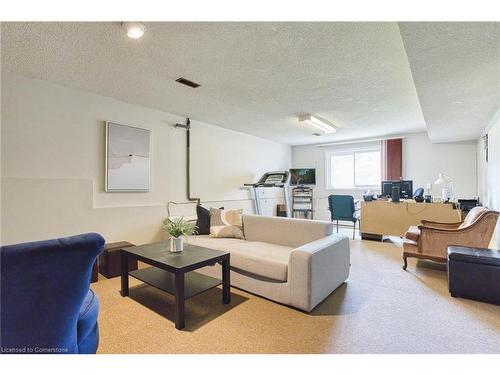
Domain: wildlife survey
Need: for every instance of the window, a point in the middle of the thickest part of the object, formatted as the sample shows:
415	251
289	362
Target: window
355	169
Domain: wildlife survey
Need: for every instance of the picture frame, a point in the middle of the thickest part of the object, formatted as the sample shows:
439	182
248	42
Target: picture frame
127	158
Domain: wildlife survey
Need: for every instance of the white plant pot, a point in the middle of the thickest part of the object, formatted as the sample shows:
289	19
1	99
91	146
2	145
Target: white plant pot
176	244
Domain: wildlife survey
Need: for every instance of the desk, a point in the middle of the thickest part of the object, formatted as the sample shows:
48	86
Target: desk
393	219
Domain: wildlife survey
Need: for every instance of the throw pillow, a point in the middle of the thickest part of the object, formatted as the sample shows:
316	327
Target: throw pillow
203	220
227	231
226	223
220	216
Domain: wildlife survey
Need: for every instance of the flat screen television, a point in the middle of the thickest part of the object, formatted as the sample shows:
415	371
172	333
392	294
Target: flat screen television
303	176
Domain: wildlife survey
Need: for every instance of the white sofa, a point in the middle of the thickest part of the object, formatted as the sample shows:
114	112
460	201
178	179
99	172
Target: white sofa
296	262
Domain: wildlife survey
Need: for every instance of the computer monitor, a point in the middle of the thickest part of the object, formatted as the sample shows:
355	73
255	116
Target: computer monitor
405	188
386	189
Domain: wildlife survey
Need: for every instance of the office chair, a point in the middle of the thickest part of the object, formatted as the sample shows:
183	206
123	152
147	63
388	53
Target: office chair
342	208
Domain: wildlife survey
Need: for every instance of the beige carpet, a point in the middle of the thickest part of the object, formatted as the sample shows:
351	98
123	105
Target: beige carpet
381	309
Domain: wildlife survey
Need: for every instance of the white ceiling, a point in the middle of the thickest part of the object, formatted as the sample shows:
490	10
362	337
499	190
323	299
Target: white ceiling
258	77
456	70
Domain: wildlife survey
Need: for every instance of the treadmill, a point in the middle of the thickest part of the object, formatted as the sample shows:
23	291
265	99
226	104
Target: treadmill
279	179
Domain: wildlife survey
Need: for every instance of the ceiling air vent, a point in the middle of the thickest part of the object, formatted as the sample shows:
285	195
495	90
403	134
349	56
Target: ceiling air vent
187	82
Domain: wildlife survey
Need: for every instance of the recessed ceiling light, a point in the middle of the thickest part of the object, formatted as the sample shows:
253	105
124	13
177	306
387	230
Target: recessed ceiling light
135	30
321	124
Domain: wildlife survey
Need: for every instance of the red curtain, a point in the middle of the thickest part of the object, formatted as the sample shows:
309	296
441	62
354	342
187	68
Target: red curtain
392	159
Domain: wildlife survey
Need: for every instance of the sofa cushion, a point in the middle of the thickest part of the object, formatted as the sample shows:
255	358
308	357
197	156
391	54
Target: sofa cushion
222	244
413	234
262	259
284	231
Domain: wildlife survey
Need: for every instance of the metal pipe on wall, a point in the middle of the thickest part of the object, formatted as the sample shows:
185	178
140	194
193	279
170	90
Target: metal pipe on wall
187	126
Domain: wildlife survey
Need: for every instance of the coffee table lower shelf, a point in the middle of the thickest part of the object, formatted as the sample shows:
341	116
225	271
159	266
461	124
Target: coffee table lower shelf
174	273
194	283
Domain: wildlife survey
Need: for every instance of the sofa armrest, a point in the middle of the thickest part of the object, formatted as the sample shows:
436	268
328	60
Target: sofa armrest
316	269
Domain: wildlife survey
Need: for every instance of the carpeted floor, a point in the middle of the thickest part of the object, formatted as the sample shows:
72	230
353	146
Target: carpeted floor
381	309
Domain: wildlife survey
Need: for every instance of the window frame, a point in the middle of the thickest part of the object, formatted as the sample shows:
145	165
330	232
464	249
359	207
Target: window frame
353	152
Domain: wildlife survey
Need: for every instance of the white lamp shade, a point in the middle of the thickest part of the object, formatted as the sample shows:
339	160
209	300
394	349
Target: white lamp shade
447	189
442	180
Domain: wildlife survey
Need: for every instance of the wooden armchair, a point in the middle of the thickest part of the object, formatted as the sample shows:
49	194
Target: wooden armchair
431	239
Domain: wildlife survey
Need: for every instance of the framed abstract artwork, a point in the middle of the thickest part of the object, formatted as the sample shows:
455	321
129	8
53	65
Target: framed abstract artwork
128	158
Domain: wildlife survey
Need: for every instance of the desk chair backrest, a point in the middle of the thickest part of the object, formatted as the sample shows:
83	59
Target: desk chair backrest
341	207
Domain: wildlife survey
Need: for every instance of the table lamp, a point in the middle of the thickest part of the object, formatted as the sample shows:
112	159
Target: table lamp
447	183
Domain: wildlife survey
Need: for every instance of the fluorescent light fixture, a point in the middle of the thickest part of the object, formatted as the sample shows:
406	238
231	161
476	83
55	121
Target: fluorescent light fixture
324	126
135	30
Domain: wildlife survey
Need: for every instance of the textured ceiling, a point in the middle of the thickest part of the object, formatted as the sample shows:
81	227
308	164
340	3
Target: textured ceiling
258	77
456	70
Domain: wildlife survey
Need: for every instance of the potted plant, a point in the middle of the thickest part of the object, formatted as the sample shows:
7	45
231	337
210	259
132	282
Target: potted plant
178	228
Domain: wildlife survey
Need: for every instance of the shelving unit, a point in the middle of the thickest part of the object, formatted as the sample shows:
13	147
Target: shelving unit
302	202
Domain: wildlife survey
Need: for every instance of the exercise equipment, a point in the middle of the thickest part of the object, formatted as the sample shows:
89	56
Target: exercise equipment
279	179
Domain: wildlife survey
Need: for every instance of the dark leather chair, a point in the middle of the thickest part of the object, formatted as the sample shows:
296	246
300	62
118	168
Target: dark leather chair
47	306
342	208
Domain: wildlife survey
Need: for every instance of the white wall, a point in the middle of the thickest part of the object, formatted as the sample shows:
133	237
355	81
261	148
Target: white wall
422	163
53	165
489	173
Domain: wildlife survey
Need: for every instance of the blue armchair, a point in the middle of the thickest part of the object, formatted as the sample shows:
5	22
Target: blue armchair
342	208
46	303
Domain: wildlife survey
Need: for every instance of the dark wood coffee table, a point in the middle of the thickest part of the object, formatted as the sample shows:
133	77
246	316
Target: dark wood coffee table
172	272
